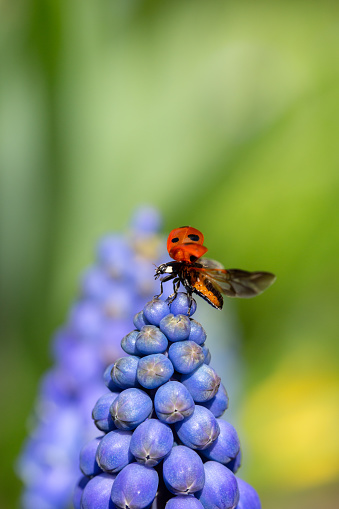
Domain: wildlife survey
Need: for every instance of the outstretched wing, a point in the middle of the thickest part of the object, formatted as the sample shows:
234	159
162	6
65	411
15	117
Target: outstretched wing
211	264
235	282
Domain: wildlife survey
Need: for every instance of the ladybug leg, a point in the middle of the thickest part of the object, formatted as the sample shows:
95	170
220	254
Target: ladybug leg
189	293
163	280
176	284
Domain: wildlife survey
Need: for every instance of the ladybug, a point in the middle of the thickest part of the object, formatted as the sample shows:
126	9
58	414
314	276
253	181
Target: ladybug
205	277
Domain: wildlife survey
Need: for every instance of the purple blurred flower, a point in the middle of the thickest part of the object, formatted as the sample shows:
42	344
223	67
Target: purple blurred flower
110	292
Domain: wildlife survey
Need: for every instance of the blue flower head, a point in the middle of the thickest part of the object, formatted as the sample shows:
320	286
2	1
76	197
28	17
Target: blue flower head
166	445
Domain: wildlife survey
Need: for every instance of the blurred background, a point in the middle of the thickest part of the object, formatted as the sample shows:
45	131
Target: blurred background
224	116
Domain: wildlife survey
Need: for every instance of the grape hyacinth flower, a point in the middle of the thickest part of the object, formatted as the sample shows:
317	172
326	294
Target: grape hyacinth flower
118	283
168	447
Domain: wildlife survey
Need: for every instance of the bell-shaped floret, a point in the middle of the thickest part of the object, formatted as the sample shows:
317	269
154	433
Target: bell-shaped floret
173	403
97	493
219	403
220	488
131	408
124	372
226	447
87	462
186	356
183	471
113	452
197	333
135	487
151	442
101	412
175	327
150	340
180	305
203	383
128	342
199	430
154	370
248	497
155	310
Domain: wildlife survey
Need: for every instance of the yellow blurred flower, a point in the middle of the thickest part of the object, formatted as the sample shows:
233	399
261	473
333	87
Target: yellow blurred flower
291	421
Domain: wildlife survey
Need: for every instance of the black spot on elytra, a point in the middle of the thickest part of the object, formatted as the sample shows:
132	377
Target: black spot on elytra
193	258
176	239
194	237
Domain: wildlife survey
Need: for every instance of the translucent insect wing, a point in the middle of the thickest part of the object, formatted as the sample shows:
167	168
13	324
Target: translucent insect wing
248	284
236	282
211	264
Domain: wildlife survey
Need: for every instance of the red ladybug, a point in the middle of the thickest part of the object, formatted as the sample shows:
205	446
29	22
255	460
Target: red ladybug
185	244
207	278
